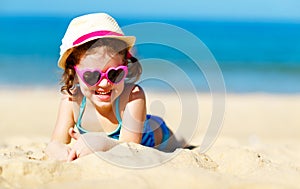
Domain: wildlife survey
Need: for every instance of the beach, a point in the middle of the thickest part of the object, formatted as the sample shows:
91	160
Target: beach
258	146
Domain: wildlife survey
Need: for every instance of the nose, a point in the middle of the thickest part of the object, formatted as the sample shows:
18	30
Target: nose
104	83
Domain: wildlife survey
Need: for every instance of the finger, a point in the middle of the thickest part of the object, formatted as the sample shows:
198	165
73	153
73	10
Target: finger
74	134
72	155
69	150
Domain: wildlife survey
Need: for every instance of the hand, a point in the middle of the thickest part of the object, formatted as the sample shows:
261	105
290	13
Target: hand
57	150
88	143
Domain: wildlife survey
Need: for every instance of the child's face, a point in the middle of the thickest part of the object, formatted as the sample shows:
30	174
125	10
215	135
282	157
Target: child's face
105	92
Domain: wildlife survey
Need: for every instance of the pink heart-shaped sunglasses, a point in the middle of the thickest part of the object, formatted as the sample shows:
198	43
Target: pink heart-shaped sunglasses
92	77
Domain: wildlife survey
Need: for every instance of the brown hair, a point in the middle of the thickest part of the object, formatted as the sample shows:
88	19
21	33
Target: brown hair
113	46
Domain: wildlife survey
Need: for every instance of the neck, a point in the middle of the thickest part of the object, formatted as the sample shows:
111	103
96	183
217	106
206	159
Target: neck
105	109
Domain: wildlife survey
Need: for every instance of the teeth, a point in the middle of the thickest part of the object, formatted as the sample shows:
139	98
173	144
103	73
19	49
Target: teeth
102	92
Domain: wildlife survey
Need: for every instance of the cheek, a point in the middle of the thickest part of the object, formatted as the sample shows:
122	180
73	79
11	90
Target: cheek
118	89
84	89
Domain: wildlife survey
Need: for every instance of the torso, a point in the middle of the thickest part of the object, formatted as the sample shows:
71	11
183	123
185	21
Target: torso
93	121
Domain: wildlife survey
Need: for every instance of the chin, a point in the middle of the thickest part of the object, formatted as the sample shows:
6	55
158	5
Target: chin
103	105
102	100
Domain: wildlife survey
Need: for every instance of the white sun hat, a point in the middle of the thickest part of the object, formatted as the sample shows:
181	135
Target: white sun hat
88	27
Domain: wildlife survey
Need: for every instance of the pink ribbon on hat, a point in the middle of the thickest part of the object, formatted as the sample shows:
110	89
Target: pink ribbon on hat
128	55
95	34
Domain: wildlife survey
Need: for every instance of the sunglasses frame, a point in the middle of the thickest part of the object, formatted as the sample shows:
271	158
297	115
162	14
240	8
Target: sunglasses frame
80	73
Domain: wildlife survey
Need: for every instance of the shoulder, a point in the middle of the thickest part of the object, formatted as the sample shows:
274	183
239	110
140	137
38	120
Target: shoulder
137	92
70	103
134	92
67	99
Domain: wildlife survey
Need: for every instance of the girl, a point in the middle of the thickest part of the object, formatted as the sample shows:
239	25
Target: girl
100	98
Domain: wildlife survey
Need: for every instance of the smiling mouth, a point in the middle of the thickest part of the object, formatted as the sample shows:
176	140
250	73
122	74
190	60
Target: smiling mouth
103	92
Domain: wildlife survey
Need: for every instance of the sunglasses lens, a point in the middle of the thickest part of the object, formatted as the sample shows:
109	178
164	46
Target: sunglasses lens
116	76
91	78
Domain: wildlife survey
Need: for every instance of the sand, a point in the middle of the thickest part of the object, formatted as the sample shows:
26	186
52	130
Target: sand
258	146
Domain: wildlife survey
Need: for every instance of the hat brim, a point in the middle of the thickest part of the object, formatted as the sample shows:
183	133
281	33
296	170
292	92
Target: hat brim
130	40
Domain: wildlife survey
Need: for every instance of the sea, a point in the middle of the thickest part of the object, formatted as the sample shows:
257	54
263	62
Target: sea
241	56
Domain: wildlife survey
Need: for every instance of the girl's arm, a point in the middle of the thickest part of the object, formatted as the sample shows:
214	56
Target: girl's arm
65	120
134	116
57	147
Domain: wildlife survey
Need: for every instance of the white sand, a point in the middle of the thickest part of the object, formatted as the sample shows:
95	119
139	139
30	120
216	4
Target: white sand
258	147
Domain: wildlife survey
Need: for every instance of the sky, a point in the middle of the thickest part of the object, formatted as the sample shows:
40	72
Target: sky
211	9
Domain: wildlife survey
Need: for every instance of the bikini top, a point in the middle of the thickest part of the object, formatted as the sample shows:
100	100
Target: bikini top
148	134
114	134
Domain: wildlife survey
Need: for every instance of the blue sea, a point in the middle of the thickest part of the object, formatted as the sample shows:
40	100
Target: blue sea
252	56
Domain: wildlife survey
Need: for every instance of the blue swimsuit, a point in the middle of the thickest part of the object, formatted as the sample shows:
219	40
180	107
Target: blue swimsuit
148	133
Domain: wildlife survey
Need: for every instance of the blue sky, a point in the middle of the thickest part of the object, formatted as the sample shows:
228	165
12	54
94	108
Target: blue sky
214	9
